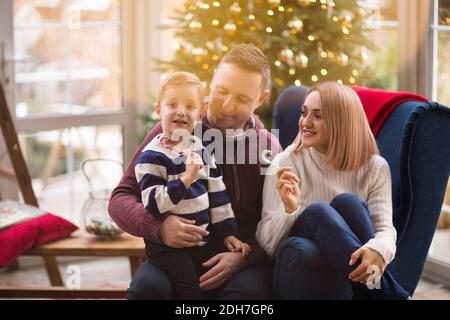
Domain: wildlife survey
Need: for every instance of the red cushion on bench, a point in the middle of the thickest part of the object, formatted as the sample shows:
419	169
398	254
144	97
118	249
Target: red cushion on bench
20	237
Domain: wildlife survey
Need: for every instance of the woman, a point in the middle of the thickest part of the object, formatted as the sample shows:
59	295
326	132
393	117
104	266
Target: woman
335	189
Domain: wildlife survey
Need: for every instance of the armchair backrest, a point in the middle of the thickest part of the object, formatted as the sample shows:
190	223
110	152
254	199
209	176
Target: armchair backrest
415	141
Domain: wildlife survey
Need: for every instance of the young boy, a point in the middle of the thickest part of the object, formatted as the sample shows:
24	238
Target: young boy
174	180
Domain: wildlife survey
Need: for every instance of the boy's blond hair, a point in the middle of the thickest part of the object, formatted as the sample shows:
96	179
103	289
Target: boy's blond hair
250	58
180	78
351	142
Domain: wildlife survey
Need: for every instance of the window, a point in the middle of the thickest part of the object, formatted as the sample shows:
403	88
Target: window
65	60
441	35
439	256
383	28
58	69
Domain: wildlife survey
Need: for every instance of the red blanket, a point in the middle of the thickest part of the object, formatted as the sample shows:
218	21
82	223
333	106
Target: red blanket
378	104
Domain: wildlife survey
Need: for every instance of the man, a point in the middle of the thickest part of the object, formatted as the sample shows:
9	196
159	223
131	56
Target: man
239	86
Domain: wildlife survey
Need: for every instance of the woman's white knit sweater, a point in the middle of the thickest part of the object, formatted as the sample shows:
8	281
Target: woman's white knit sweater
319	182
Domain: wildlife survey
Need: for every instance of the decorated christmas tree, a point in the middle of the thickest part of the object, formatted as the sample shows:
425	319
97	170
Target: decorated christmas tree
307	41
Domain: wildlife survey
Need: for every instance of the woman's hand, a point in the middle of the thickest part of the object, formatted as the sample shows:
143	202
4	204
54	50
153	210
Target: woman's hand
372	265
287	187
235	245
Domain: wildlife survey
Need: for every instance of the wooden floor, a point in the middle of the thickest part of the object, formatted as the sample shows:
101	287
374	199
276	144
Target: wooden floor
115	273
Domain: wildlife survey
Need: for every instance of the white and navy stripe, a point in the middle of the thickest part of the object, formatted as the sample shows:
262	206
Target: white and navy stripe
158	171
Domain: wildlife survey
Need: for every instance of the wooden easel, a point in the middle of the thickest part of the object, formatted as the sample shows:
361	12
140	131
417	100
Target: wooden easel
21	175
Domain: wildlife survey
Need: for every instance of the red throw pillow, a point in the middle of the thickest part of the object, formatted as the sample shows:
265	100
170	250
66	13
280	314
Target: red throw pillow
22	236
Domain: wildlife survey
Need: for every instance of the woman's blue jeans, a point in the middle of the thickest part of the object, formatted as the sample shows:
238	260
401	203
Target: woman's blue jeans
339	229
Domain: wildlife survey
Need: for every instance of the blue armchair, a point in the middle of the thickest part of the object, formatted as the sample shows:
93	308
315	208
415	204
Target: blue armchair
415	141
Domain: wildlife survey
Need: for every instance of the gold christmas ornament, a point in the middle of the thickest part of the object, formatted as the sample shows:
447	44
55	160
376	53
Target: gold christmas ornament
287	34
195	26
361	13
296	24
286	55
346	16
304	3
274	3
235	8
301	60
342	59
363	55
230	28
198	52
322	53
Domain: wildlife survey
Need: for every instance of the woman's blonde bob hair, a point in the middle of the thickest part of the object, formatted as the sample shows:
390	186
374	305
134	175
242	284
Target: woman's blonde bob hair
350	140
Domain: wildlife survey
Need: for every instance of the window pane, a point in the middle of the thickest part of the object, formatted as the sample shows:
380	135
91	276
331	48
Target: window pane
40	78
29	13
98	10
54	159
96	73
32	13
168	40
443	68
383	60
71	67
382	21
444	12
381	10
388	10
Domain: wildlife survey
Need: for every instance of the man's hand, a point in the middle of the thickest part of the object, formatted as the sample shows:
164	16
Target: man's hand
226	264
178	232
369	259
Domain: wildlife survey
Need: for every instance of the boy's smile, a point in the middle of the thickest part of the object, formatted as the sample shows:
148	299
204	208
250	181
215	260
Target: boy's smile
180	108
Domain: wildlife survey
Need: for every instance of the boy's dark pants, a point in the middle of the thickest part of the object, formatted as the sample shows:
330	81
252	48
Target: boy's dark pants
183	267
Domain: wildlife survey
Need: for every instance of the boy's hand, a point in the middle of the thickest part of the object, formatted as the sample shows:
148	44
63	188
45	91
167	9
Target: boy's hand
235	245
194	164
287	187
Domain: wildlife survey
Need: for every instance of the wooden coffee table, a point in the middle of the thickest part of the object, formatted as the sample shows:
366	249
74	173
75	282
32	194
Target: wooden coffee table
80	243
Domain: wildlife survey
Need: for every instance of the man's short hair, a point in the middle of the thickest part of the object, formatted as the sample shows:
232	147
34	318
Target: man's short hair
250	58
